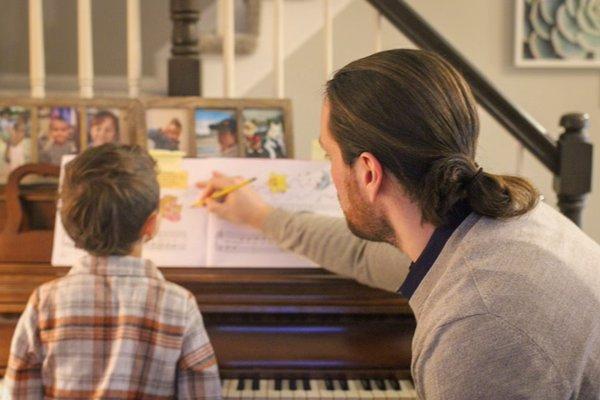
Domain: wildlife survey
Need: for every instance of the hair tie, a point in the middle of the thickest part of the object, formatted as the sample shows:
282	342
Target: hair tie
475	177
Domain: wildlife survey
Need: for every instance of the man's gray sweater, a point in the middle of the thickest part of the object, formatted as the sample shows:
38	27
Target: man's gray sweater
510	309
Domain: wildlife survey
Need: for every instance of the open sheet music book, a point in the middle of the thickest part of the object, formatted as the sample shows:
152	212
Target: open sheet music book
192	237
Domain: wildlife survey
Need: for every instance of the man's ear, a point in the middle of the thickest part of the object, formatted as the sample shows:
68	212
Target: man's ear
150	228
369	174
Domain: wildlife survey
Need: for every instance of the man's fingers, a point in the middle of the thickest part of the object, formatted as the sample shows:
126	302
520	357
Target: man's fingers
214	206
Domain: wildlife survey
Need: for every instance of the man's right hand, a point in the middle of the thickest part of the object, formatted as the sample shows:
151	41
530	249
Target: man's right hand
243	206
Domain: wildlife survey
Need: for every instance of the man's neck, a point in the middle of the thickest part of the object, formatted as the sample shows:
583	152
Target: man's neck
412	235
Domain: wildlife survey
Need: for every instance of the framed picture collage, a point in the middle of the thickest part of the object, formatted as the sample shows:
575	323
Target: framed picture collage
43	130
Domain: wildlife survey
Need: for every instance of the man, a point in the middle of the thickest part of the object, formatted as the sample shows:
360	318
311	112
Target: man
505	290
227	137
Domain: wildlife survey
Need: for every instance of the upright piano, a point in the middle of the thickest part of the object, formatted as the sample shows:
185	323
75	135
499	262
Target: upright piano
278	332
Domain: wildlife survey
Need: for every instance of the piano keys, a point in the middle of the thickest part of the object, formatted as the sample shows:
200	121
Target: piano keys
291	389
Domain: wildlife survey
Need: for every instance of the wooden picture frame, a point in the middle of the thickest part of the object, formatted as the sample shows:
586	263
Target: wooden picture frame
127	112
16	142
132	119
236	107
73	109
170	108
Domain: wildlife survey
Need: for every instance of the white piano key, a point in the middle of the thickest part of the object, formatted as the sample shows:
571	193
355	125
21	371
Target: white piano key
263	390
313	393
247	393
409	389
378	394
299	393
286	392
234	393
390	392
356	387
271	392
338	393
324	393
225	385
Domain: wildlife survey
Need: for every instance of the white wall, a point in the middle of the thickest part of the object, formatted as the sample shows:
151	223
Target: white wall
483	32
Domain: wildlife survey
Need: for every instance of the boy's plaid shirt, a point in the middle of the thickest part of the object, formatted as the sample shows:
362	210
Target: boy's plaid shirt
112	328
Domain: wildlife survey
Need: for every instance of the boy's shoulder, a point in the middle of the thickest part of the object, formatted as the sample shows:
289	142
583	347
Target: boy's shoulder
80	282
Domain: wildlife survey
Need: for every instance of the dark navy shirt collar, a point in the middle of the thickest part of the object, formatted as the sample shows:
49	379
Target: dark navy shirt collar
419	268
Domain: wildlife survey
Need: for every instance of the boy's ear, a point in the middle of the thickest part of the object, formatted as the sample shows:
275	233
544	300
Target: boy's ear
150	228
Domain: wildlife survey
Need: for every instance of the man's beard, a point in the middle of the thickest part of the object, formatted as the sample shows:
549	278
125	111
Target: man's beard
363	221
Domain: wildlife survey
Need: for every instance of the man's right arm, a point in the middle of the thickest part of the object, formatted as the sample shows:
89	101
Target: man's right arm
328	242
325	240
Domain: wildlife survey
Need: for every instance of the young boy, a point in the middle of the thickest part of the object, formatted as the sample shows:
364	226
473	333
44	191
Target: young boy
58	142
113	327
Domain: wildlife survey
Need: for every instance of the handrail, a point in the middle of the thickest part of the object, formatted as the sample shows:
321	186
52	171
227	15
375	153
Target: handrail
521	125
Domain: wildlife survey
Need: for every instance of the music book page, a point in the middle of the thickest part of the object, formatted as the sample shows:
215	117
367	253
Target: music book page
191	237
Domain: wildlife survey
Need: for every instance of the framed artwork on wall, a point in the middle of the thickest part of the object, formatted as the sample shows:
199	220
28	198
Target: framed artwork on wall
557	33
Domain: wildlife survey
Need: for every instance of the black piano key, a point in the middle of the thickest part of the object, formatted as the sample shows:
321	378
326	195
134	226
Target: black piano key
380	384
293	384
255	384
278	384
328	384
366	384
344	385
394	384
306	384
241	384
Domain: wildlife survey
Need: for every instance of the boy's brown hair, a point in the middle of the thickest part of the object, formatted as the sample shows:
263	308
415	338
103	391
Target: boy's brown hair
107	195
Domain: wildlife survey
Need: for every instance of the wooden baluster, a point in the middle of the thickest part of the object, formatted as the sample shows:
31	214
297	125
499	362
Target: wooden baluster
228	48
278	50
37	64
328	33
378	28
520	159
134	48
574	179
85	56
184	64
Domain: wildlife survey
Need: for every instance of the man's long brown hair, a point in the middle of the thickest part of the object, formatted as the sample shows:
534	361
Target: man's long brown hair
416	114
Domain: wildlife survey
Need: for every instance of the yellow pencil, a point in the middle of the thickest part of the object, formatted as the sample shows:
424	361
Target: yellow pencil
224	192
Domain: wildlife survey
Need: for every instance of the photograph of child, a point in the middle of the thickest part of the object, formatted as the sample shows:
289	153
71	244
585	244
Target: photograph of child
216	133
263	132
167	129
15	146
103	126
59	133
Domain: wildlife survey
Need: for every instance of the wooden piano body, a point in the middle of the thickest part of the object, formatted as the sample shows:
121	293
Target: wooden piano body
267	324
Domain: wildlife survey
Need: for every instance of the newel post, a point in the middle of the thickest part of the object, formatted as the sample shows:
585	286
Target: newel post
574	179
184	64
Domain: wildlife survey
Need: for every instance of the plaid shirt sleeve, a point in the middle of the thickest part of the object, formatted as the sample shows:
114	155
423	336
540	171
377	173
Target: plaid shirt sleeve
23	378
197	372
